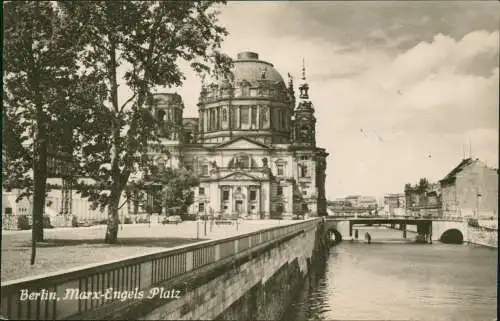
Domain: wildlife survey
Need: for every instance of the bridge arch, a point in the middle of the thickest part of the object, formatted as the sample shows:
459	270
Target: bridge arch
334	236
452	232
452	236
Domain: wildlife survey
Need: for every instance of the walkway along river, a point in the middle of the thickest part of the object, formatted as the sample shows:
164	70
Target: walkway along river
393	279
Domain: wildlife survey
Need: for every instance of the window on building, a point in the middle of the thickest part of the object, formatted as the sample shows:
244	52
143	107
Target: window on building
224	115
304	192
254	116
303	171
253	92
304	131
217	117
212	119
201	207
281	170
244	115
225	195
263	114
253	195
204	170
234	119
201	191
8	211
279	190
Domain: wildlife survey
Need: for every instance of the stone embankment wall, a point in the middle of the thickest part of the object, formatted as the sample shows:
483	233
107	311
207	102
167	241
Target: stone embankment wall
258	287
482	236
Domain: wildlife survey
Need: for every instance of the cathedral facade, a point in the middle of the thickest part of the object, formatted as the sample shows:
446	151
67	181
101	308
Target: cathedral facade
253	145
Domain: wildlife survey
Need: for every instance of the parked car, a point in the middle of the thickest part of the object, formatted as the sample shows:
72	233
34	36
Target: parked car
188	217
174	219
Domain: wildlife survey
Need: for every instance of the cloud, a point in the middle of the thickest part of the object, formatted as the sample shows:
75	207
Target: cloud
409	116
398	89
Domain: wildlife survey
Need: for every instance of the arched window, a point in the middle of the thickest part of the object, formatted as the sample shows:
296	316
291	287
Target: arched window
304	131
242	161
303	170
161	115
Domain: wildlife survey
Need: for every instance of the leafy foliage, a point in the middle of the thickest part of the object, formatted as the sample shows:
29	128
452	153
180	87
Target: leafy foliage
42	83
175	190
144	41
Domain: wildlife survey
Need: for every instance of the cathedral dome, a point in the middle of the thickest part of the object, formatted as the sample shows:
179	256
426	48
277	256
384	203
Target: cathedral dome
253	103
248	67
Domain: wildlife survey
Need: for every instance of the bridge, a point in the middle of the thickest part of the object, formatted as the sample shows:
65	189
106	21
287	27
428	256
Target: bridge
444	230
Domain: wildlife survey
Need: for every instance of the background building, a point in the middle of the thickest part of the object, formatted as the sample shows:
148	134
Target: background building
470	190
354	204
423	199
394	204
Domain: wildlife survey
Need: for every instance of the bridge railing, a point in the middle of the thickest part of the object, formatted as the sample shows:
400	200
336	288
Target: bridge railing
125	275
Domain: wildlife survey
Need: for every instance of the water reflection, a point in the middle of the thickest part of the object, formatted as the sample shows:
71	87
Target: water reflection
391	281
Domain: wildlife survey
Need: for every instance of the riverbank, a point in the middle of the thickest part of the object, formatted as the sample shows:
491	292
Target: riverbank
482	236
389	281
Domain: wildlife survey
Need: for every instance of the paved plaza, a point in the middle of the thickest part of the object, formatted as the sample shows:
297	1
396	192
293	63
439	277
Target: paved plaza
71	247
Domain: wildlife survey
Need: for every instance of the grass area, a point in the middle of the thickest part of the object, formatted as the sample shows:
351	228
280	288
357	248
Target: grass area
65	248
72	247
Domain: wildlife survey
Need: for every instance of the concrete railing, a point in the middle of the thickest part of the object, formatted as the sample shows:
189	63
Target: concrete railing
42	297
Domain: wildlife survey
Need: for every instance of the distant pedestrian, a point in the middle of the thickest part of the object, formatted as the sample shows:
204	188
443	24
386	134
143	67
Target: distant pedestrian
356	234
368	237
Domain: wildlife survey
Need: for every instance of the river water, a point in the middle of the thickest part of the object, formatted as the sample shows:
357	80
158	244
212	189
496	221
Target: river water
391	279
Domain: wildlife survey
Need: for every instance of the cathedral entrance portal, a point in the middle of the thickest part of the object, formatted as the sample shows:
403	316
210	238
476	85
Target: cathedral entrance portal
239	207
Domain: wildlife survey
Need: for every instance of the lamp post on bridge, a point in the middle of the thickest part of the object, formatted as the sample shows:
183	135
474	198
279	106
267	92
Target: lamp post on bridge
478	196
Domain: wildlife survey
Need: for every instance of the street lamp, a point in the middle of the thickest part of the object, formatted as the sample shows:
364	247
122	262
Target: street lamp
478	195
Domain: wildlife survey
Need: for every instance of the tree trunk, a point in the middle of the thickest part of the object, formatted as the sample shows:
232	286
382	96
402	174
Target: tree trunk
40	178
113	220
39	206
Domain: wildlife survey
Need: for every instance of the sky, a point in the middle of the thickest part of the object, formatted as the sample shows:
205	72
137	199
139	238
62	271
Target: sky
399	88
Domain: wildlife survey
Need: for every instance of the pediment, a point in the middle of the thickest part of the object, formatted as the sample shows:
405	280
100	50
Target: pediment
241	143
239	176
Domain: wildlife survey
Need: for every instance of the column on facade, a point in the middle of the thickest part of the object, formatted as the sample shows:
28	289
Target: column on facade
259	200
265	204
289	203
248	201
216	201
230	203
257	125
217	118
295	168
238	113
244	193
204	117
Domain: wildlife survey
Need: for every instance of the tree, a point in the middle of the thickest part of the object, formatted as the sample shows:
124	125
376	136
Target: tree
423	185
41	85
146	40
177	190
